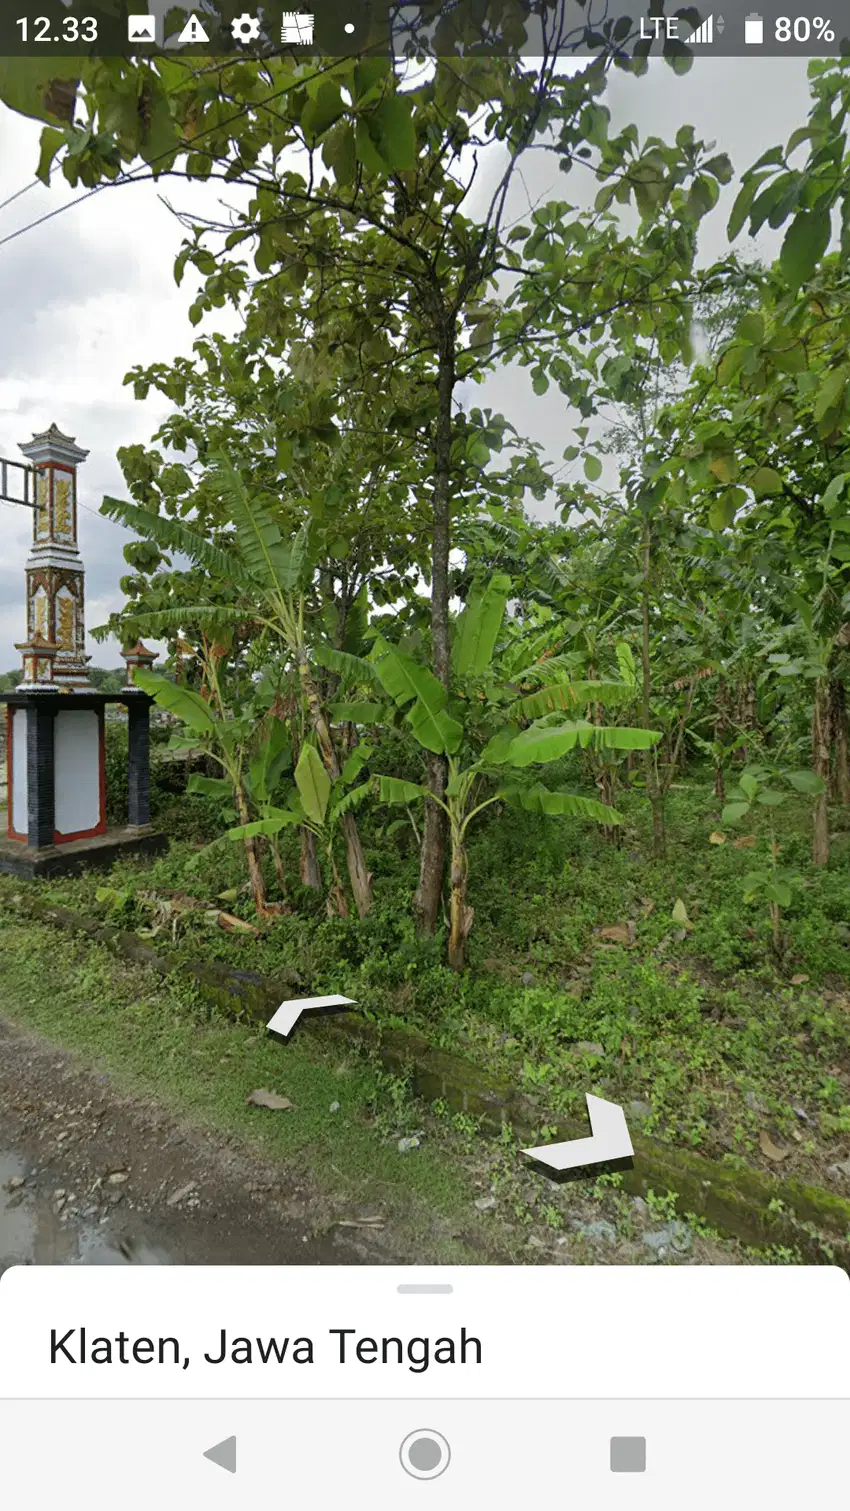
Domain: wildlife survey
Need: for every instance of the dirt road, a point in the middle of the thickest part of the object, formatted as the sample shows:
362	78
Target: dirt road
91	1175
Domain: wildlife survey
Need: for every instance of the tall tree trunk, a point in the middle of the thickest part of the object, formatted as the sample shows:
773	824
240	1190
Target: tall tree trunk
432	860
653	786
358	873
461	915
820	765
309	869
840	743
432	853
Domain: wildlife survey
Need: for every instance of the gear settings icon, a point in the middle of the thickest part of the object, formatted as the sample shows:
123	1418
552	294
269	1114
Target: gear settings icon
245	28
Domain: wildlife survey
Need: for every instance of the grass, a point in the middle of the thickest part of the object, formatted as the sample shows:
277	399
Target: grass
158	1040
725	1047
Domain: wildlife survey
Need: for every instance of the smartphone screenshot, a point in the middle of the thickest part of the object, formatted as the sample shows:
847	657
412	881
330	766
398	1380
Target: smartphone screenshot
424	749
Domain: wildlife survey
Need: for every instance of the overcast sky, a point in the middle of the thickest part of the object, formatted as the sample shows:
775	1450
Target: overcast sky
90	294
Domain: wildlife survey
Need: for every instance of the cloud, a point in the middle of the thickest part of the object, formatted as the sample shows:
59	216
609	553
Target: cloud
88	295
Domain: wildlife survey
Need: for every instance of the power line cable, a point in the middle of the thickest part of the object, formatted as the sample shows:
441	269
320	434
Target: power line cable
19	192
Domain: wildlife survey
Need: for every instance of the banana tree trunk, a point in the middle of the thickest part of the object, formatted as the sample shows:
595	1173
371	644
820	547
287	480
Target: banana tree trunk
280	873
608	788
461	917
820	765
309	870
336	904
840	743
255	872
358	872
748	717
721	729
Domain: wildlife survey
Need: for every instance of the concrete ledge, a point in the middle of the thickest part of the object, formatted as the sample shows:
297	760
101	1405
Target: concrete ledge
17	859
738	1201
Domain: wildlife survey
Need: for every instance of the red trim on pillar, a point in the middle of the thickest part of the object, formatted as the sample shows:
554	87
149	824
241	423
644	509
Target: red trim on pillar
10	832
100	827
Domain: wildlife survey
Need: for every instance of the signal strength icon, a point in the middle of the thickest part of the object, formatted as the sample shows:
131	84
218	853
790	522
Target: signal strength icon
705	33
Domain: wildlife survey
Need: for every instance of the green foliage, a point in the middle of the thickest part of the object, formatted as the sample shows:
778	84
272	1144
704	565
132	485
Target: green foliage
313	783
543	742
180	701
775	885
409	684
479	626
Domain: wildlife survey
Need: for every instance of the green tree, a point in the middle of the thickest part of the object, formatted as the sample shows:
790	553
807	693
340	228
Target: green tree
374	270
267	574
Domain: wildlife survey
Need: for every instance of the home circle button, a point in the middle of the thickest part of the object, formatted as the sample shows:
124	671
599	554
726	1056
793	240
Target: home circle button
424	1454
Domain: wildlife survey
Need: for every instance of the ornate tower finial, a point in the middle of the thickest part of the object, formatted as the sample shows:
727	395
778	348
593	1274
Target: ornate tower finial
55	573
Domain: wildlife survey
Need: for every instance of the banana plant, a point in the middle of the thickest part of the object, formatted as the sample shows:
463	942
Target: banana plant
492	739
270	574
226	740
318	804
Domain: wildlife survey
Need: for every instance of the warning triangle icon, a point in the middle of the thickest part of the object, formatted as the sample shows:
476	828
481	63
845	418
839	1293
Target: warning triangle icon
192	32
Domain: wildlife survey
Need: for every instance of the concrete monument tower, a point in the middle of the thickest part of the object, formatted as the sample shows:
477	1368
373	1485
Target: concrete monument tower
55	573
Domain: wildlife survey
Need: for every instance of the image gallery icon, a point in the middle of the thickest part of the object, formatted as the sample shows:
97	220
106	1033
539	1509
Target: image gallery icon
141	28
296	27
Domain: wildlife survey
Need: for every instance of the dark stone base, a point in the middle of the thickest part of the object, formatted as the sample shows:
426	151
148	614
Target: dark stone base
21	860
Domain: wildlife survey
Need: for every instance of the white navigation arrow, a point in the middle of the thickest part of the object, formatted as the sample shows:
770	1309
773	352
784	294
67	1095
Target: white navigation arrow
288	1013
610	1140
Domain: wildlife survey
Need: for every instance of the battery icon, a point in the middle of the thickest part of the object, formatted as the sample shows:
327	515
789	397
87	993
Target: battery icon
754	29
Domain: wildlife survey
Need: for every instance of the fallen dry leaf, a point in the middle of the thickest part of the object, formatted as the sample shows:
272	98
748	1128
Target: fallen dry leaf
799	979
619	933
716	838
772	1150
680	914
236	925
263	1098
744	842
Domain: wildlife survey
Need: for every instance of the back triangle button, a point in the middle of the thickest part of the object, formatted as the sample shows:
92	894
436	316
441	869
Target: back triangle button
223	1454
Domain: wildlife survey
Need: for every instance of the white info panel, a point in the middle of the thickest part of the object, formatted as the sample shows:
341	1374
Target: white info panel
445	1388
76	759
